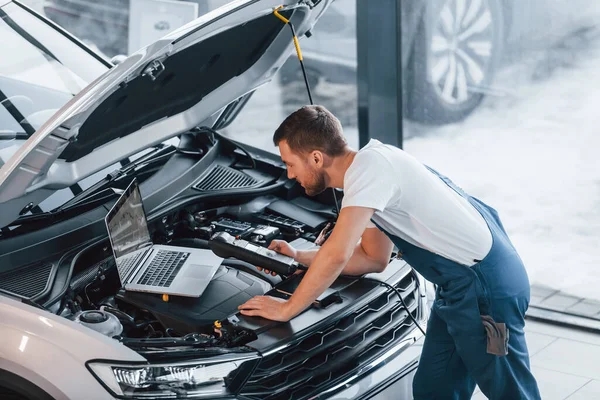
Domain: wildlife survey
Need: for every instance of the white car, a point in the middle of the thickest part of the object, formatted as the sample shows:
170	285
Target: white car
76	131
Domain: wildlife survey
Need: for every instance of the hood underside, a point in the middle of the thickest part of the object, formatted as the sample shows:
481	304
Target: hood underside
188	76
158	92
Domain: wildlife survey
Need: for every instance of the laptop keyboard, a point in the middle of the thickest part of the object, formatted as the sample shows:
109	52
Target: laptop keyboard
126	264
163	268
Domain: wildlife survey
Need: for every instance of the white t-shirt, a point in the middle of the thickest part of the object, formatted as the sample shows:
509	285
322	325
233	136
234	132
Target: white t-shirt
414	204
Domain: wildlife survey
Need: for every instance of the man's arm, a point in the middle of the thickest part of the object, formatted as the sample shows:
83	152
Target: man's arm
327	265
371	254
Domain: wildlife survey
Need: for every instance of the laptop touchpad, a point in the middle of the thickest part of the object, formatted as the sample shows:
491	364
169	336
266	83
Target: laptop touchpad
198	271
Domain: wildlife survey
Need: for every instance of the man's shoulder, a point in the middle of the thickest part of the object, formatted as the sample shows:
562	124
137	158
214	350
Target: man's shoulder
376	145
383	153
370	157
373	164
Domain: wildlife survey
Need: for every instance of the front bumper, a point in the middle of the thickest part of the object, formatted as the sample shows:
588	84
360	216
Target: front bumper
391	379
367	350
388	377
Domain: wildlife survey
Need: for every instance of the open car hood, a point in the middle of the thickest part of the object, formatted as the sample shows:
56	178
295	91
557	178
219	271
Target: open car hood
158	92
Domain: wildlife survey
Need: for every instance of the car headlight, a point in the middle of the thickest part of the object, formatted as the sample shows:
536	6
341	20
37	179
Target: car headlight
206	378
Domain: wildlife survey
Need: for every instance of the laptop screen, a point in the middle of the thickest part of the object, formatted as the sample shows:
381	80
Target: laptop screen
126	223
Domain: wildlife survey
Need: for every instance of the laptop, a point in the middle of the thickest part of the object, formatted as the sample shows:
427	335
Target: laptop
146	267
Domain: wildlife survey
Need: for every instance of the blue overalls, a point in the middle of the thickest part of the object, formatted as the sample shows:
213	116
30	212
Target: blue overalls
454	357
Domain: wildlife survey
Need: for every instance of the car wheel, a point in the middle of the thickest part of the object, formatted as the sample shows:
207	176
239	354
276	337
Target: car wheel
13	387
8	394
456	51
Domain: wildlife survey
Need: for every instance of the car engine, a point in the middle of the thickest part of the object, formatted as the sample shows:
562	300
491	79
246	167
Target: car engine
95	298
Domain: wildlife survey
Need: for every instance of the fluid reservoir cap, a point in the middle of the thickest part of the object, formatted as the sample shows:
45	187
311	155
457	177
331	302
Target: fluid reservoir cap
93	317
100	321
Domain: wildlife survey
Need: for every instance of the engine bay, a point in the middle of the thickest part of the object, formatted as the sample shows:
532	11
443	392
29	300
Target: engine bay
143	321
205	186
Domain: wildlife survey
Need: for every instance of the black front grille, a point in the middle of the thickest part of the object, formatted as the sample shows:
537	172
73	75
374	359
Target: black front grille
333	353
27	282
221	177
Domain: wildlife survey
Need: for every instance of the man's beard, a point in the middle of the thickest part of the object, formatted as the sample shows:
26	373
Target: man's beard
317	184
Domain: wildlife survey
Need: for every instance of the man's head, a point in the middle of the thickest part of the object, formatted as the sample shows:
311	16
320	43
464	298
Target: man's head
309	139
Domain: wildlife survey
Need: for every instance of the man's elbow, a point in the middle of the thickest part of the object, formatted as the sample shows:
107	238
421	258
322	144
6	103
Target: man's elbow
338	257
380	266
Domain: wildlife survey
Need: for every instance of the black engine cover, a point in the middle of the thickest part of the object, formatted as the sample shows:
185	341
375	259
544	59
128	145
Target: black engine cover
228	289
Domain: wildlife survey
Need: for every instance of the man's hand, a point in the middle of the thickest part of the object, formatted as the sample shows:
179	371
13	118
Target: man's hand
268	307
331	258
328	263
283	247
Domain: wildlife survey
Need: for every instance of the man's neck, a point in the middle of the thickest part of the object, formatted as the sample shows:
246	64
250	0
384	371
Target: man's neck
338	168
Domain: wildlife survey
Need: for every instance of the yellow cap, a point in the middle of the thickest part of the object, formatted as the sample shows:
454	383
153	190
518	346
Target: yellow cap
165	297
218	324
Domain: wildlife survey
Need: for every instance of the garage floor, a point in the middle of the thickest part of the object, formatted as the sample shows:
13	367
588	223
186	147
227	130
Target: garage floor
564	362
552	299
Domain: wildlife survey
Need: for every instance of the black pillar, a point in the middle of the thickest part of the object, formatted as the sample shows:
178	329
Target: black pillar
379	72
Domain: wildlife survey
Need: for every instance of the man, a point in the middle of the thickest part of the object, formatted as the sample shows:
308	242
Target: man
475	330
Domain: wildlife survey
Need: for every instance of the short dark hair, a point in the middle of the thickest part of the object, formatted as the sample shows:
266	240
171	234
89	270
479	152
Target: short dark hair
312	128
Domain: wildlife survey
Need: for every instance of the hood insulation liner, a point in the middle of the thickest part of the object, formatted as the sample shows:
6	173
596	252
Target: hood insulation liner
189	75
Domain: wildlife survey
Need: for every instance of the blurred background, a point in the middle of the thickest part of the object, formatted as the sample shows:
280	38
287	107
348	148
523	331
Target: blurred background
500	95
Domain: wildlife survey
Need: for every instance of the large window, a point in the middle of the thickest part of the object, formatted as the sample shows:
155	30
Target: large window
529	146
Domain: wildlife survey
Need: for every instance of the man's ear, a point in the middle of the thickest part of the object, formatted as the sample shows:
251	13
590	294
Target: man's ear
316	158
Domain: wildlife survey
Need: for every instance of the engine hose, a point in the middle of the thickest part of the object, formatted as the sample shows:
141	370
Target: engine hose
126	318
